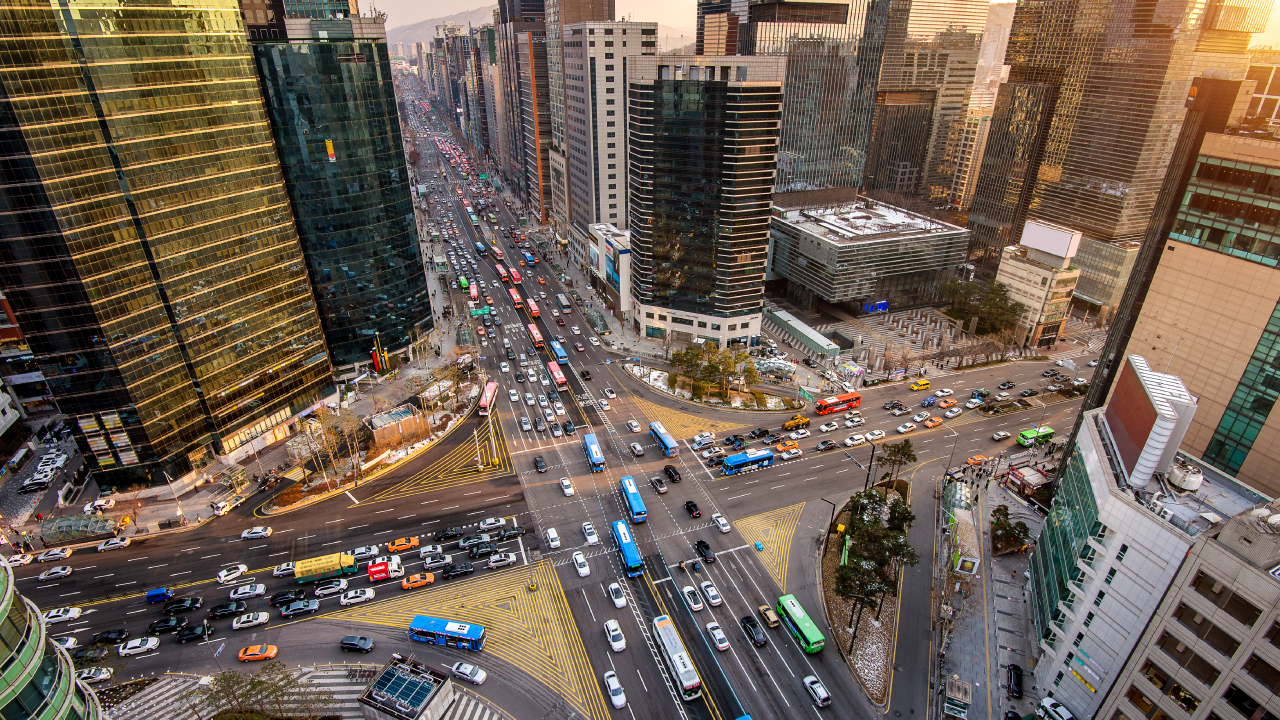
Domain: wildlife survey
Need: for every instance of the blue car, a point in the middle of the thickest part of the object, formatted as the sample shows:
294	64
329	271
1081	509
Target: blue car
929	401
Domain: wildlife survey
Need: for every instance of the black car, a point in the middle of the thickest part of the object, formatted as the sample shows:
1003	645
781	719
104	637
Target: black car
186	604
507	533
539	464
356	643
457	570
167	625
483	550
1013	680
227	609
511	354
1048	373
33	486
519	376
704	549
716	461
692	508
302	607
110	637
809	363
1029	392
672	473
757	433
982	392
754	632
890	405
569	427
771	439
1007	384
89	654
287	597
826	445
203	631
585	374
449	533
733	439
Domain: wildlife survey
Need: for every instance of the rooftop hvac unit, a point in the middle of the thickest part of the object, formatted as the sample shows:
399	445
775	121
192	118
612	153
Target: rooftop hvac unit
1185	477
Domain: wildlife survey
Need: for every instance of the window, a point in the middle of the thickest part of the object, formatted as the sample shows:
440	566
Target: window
613	196
648	316
1246	705
610	113
613	186
613	206
702	324
610	135
681	321
612	144
1120	555
610	101
733	327
613	156
1237	607
1139	700
608	78
591	43
1202	669
715	326
613	166
746	326
608	43
1058	680
610	124
1079	639
608	31
608	56
1264	672
613	176
1067	660
662	317
608	68
1088	619
1111	575
1098	600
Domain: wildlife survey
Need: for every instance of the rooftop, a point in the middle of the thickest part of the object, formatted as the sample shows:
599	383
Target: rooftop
403	688
620	238
860	220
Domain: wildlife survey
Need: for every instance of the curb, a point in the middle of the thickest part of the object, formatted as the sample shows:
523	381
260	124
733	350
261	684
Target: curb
663	393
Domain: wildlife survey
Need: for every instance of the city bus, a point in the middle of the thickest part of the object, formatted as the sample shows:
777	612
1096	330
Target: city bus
556	350
488	397
515	276
752	459
466	204
534	335
492	218
677	659
462	282
439	631
591	448
557	377
797	622
529	258
628	553
666	443
458	190
533	308
475	221
563	302
502	273
480	249
498	254
1035	436
631	498
475	294
837	403
515	298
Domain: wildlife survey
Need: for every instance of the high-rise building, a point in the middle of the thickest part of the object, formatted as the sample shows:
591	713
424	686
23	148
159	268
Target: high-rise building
1264	70
515	17
1040	275
320	9
723	17
703	143
333	113
832	52
152	258
42	684
1081	132
535	121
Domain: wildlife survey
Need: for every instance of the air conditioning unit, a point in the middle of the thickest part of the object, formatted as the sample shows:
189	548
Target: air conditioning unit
1165	513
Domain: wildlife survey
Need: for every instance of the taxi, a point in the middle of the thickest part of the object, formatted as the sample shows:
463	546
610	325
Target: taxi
542	281
978	459
258	652
417	581
788	445
933	422
949	402
402	544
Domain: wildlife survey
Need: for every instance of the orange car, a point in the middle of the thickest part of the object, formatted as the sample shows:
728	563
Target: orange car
417	581
788	445
978	459
933	422
258	652
947	403
402	544
542	281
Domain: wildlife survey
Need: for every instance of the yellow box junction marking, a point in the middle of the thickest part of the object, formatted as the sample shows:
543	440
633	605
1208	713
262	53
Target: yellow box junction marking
775	530
459	466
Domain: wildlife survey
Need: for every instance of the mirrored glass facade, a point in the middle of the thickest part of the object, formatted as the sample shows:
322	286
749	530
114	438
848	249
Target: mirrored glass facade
333	111
148	248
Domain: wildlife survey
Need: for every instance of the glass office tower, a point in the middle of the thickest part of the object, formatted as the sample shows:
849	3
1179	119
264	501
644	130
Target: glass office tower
149	250
333	111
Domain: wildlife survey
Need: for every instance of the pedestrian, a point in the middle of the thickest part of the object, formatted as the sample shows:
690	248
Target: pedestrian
39	516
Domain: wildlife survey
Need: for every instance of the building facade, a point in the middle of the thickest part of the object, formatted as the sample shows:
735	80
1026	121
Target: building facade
1264	70
513	18
703	135
610	263
535	121
1039	274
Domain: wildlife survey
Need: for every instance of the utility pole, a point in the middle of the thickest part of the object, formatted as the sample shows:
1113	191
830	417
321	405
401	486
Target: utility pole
169	482
871	465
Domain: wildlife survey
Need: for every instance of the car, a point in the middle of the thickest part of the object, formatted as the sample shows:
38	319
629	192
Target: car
186	604
799	434
754	632
953	413
54	555
519	378
703	548
978	460
920	416
227	609
891	404
525	425
633	426
898	412
484	549
691	507
718	638
203	631
616	594
356	643
933	422
1078	382
575	330
566	487
302	607
704	435
330	587
167	625
613	631
1007	384
93	675
112	544
457	570
357	596
817	691
560	321
539	464
502	560
435	562
249	620
692	597
471	541
492	523
507	533
506	368
256	533
604	405
1053	388
593	341
558	407
637	449
1029	392
20	560
712	595
585	374
929	401
792	453
54	573
580	563
854	440
589	531
110	637
528	399
906	428
673	473
1093	363
609	393
826	445
1013	680
949	402
1001	435
614	687
945	392
757	433
448	533
976	402
828	427
721	523
287	597
854	422
713	452
89	654
252	590
471	673
253	653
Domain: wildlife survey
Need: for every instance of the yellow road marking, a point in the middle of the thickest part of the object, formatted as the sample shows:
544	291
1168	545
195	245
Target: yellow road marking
775	530
458	467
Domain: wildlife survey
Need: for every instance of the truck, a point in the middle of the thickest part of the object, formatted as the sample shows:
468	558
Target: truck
799	421
386	570
325	566
222	507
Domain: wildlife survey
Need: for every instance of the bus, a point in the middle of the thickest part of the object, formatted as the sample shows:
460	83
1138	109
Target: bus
462	282
475	221
466	204
563	302
529	258
666	443
678	663
325	566
534	335
450	633
837	403
502	273
488	397
595	456
458	190
480	249
752	459
475	294
492	218
558	351
515	276
1035	436
797	622
533	308
628	553
515	298
631	498
557	377
498	254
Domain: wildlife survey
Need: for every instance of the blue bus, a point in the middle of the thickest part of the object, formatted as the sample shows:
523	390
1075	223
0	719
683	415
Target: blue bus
529	259
595	456
439	631
665	442
628	553
753	459
480	249
631	498
559	353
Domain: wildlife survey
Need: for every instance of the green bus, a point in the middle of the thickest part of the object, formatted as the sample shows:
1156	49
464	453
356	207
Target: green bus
799	625
493	218
1035	436
462	282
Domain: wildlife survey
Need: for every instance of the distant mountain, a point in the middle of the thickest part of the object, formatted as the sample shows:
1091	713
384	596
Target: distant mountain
425	30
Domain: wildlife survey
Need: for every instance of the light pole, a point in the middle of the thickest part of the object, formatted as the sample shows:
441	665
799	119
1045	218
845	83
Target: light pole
169	482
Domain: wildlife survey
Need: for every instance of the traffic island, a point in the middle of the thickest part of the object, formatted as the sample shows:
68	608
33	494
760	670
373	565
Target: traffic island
693	391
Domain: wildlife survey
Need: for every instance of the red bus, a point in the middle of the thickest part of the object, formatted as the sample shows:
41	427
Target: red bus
534	335
459	190
533	307
557	377
515	298
499	255
475	294
515	276
488	398
837	403
502	273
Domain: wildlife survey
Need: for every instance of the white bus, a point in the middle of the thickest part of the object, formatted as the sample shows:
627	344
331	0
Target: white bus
678	663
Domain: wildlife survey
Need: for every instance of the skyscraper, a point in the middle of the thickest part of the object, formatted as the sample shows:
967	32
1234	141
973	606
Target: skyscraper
333	113
703	137
515	17
150	253
535	120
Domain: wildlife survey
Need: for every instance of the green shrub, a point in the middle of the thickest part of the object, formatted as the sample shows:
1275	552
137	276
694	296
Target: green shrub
673	381
760	401
697	391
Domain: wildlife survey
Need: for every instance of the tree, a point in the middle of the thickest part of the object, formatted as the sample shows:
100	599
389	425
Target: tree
897	455
990	303
274	690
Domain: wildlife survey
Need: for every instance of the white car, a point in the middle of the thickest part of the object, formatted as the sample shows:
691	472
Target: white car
252	590
618	597
256	533
249	620
553	539
973	403
137	646
528	399
614	688
875	435
593	341
228	574
54	573
502	560
945	392
637	450
953	412
1078	382
559	407
589	531
284	569
330	587
721	523
492	524
513	396
113	544
703	436
604	405
1002	396
799	434
717	636
93	675
828	427
575	330
566	487
471	673
54	555
355	597
1001	435
854	440
542	401
64	614
854	422
921	416
428	550
609	393
712	595
504	367
20	560
792	453
633	426
580	563
906	427
692	597
613	631
713	452
66	642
